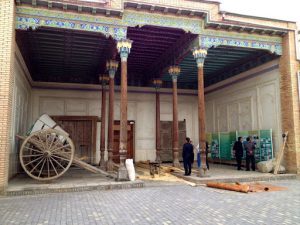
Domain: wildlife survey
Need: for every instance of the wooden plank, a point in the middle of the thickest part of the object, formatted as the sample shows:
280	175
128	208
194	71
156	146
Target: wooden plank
280	154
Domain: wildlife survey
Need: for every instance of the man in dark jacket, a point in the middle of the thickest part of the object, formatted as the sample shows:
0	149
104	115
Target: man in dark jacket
238	149
188	156
250	153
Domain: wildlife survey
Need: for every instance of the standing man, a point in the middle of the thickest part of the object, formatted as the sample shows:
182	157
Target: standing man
250	152
188	156
239	151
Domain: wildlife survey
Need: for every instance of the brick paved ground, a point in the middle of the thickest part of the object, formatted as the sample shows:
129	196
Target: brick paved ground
156	204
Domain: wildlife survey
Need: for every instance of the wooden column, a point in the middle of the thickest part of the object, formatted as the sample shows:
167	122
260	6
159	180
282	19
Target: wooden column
199	55
174	72
157	83
112	67
103	79
124	47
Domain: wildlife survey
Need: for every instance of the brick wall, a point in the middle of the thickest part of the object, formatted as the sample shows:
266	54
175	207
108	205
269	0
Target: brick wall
7	37
290	102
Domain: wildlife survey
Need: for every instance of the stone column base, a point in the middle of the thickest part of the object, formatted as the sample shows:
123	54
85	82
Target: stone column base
122	174
203	172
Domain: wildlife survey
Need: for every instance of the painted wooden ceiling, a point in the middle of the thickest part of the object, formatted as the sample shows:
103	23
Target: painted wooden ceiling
57	55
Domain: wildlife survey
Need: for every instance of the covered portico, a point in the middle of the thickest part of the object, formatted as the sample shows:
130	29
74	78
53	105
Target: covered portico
67	51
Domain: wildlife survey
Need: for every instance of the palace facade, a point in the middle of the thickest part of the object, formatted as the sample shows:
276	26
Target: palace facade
132	78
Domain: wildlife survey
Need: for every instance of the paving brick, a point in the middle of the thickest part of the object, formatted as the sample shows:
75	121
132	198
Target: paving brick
177	204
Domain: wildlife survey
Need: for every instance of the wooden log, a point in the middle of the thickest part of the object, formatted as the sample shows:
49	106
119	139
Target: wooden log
89	167
231	187
280	154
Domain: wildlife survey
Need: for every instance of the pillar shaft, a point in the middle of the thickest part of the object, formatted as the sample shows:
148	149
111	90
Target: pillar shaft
175	125
103	121
111	124
199	55
158	144
201	117
122	172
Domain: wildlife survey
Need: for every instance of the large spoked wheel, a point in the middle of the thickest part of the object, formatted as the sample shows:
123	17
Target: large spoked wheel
46	154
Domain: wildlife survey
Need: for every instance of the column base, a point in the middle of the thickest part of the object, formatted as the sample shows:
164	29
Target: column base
203	172
122	174
176	163
102	165
110	166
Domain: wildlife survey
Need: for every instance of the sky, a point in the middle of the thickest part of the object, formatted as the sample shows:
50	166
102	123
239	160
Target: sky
276	9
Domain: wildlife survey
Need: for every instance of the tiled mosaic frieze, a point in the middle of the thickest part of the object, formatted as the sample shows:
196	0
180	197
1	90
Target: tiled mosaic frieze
30	17
132	18
117	28
211	41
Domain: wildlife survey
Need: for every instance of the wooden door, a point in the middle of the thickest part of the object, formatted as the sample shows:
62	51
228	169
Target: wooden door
166	135
82	131
130	141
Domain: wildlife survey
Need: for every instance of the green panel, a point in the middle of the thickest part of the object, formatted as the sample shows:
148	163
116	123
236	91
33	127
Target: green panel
227	140
266	145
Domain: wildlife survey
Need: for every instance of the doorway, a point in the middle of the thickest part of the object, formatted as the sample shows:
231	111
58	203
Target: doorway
130	141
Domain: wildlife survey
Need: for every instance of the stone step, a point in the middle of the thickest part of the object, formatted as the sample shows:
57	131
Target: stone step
73	188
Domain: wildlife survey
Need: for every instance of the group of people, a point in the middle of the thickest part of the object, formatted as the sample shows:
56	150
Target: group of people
249	146
239	146
188	156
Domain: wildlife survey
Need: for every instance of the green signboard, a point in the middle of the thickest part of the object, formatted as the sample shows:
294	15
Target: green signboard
221	144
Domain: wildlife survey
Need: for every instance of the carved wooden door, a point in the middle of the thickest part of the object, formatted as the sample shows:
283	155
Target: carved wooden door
82	131
166	135
130	141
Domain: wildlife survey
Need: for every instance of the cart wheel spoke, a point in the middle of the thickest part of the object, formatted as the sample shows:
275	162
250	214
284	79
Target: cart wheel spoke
48	166
57	162
61	157
33	149
53	166
36	165
41	170
34	160
25	156
55	150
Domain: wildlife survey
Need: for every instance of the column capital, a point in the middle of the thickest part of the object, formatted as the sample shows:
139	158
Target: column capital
157	83
112	67
103	79
199	54
124	46
174	72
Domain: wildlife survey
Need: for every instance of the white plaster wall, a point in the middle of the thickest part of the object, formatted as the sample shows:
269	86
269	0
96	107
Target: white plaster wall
21	111
248	105
141	109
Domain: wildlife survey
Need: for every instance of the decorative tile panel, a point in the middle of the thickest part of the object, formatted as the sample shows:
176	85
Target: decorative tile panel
133	18
34	18
212	41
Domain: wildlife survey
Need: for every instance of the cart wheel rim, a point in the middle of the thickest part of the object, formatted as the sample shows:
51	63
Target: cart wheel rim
47	154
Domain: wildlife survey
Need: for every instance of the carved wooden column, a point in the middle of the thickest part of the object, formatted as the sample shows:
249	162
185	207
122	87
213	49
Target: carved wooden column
174	71
124	47
157	83
103	80
112	67
199	55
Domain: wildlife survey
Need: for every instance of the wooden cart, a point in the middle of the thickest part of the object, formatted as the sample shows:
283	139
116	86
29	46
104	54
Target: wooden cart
48	151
